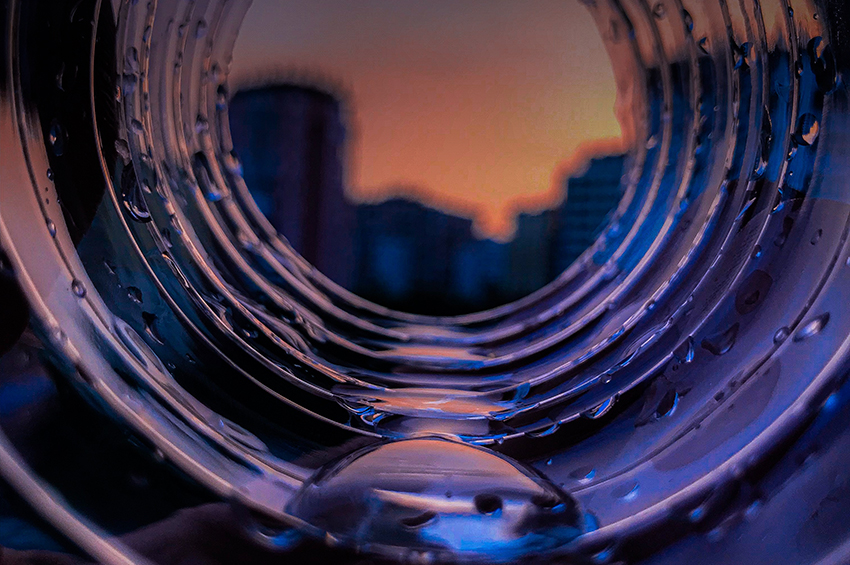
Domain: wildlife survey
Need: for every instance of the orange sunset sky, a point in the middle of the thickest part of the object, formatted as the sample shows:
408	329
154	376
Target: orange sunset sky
478	104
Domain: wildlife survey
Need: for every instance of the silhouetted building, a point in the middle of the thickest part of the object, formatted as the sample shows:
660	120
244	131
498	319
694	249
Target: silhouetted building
405	253
589	199
481	268
530	253
291	140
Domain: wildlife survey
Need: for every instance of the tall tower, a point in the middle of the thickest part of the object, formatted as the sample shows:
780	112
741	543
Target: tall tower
291	139
589	199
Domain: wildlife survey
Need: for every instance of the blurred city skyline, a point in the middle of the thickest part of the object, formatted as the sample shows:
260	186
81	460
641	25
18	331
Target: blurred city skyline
401	252
475	107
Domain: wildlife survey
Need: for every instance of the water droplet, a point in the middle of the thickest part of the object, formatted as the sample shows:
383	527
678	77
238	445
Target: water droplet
420	521
166	238
134	294
545	431
668	404
56	138
781	335
659	10
221	97
817	236
200	29
808	130
78	288
626	491
583	474
175	225
721	343
689	20
50	174
787	226
134	198
812	328
131	60
51	227
151	327
823	63
232	163
488	504
684	353
128	84
123	150
136	126
602	409
216	74
753	291
202	126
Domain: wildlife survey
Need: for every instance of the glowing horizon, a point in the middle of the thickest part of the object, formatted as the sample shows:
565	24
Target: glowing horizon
482	105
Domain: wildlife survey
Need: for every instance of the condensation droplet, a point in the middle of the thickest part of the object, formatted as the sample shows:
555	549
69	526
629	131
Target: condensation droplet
200	29
78	288
420	520
488	504
583	474
135	294
812	328
689	20
668	404
202	126
151	327
781	335
627	491
221	97
723	342
56	138
131	60
123	150
134	198
128	84
808	130
602	409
